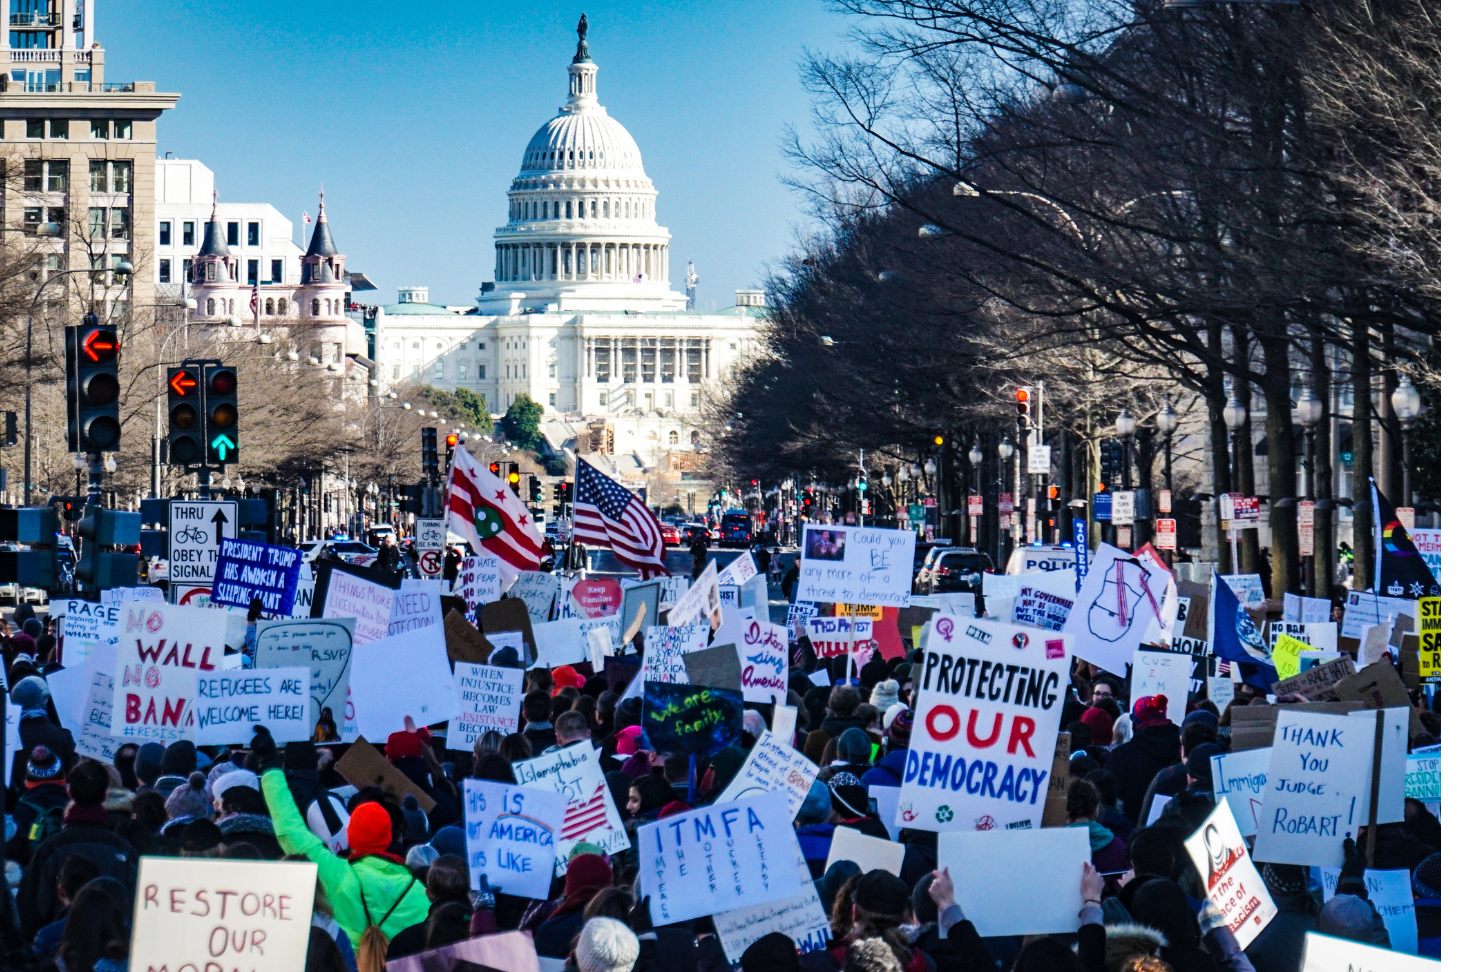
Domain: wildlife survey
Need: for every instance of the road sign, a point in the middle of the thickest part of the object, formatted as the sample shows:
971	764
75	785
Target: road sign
430	563
975	505
1405	516
1306	522
196	529
1164	534
1040	460
186	595
430	534
1122	508
1005	502
1165	501
1102	502
1246	510
1123	537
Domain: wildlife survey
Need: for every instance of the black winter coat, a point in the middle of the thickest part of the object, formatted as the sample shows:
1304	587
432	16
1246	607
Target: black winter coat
36	898
1135	763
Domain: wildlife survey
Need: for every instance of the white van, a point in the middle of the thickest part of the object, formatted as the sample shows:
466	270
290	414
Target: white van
1035	557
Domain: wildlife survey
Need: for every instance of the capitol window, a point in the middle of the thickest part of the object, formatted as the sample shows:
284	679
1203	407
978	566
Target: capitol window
557	210
595	209
673	437
481	345
481	372
603	398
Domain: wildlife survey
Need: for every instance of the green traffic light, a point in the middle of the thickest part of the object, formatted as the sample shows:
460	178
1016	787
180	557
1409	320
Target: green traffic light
221	445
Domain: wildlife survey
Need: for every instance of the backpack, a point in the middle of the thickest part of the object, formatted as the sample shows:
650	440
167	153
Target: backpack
48	822
370	956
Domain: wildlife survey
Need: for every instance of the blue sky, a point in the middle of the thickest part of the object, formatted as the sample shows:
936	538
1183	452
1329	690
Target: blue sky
415	117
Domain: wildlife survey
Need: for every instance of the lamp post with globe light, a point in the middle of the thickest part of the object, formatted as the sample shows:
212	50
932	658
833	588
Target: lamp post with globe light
1234	415
1167	422
1308	413
1407	408
1006	449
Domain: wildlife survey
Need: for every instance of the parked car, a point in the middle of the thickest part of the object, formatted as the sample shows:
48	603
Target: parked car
157	571
956	569
671	535
350	551
922	552
1034	557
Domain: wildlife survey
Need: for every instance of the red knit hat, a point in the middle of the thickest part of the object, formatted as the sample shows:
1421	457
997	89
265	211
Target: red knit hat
1101	726
566	676
369	830
399	745
1150	710
673	807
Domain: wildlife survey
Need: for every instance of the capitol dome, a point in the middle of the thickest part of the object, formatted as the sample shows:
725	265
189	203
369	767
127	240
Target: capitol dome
581	230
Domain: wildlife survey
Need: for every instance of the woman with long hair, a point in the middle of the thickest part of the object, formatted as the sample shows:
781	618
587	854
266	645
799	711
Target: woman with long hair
96	936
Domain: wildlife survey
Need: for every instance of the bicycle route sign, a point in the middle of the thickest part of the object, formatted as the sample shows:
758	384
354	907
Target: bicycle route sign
195	531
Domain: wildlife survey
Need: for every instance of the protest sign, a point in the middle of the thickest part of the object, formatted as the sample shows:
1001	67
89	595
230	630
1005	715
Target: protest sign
802	918
92	715
1375	686
1365	609
773	766
487	700
1306	610
160	648
363	765
591	814
1430	624
717	667
505	952
691	718
1422	775
463	642
856	565
1393	760
1284	655
700	601
536	590
480	581
764	652
756	596
1318	683
718	858
784	726
1316	783
597	598
416	610
1055	805
210	913
800	611
1048	862
1157	807
664	647
392	678
511	836
1318	635
230	704
739	571
1240	778
643	597
1228	877
560	642
86	625
884	800
1164	673
303	596
1247	588
986	726
247	569
830	636
1220	690
326	647
1041	609
509	616
1391	895
868	853
13	742
820	677
1116	604
346	595
1323	953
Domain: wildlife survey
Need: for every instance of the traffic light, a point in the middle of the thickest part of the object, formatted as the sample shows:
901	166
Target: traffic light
938	441
1022	399
220	413
92	389
496	469
429	457
1111	459
69	508
12	434
184	416
451	439
534	489
861	482
36	567
100	569
409	498
514	479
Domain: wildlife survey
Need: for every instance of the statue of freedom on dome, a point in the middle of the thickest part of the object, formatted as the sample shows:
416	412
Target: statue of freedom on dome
582	54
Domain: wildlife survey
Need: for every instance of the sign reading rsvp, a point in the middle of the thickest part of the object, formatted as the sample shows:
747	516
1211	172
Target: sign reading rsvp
856	565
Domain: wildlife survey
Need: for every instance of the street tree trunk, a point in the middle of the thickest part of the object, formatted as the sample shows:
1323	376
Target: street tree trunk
1281	459
1363	511
1321	443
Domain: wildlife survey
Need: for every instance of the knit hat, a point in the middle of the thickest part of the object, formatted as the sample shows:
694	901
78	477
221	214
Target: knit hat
565	676
1284	880
506	658
893	710
30	692
421	855
1101	726
884	695
899	733
1427	877
148	764
417	826
1347	916
44	766
450	840
773	953
1198	763
848	796
924	909
882	893
299	755
671	808
189	801
855	744
180	759
628	740
369	830
32	627
201	835
400	745
829	885
606	945
817	805
1150	711
1200	715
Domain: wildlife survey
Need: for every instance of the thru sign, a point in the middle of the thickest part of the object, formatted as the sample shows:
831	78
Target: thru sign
196	529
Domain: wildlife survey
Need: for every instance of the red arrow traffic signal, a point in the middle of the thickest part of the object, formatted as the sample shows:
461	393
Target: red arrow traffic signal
100	345
183	382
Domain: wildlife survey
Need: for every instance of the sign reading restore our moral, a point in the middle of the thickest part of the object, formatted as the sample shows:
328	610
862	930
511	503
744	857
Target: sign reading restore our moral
986	728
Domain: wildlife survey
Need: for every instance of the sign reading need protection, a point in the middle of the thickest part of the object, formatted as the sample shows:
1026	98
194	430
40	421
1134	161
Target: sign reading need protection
986	728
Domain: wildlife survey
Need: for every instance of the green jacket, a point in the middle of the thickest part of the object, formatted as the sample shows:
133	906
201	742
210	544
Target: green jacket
350	885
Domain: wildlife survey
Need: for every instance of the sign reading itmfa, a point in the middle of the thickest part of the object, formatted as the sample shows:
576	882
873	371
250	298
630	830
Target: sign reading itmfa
196	531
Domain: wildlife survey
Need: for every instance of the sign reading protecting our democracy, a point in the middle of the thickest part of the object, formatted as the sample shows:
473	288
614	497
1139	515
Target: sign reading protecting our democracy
1231	881
856	565
161	648
764	661
229	704
247	569
202	913
1317	784
802	918
664	648
718	858
986	726
326	647
1239	778
511	836
1422	776
591	814
487	699
773	766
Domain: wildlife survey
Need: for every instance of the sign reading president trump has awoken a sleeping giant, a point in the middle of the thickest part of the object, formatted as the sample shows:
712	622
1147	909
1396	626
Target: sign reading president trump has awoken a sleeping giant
987	723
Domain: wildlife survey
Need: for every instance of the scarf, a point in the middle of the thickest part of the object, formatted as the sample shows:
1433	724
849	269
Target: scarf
36	714
92	815
1100	836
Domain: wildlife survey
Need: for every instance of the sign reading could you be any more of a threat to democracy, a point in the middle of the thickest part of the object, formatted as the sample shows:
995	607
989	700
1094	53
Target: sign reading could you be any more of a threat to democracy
591	814
511	836
718	858
986	727
161	648
1320	771
856	565
248	569
1229	878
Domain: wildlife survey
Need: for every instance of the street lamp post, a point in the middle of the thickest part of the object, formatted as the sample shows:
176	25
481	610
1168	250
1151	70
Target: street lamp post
1234	415
975	459
1006	450
1309	413
1167	422
1407	406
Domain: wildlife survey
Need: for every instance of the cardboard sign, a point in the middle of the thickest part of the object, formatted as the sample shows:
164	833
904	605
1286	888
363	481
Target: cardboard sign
718	858
664	648
196	913
868	853
773	766
830	636
1318	683
487	699
591	814
229	704
986	726
85	626
1255	726
480	581
1323	953
506	952
537	590
1422	776
247	569
802	918
1164	673
346	595
160	648
764	652
856	565
597	598
700	601
1230	879
393	678
1239	779
326	647
1316	784
1377	687
717	667
364	765
463	642
1056	813
1117	602
1049	863
691	718
508	614
511	836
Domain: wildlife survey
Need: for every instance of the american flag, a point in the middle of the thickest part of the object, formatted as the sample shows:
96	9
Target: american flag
585	817
253	301
606	514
